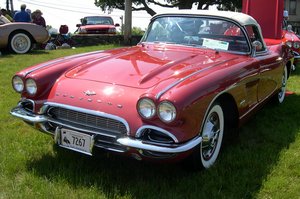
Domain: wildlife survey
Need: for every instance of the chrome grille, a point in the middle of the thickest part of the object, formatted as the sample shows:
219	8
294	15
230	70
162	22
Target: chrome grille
89	121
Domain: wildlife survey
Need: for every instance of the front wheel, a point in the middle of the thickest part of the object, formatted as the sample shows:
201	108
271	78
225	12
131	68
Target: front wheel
20	43
206	154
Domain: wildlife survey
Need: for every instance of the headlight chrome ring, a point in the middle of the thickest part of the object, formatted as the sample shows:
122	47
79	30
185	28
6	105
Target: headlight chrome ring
289	44
296	45
18	84
146	108
167	111
31	86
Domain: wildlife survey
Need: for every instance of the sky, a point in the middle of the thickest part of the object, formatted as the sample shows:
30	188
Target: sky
69	12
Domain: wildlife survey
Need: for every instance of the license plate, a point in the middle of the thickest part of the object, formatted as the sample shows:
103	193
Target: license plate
76	141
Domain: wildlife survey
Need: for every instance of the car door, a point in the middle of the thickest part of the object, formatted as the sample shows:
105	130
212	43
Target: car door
270	71
270	65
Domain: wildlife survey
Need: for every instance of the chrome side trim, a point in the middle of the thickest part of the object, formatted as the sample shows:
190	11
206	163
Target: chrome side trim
138	144
140	131
92	112
185	78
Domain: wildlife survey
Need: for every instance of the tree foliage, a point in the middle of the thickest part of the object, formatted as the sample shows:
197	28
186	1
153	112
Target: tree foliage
181	4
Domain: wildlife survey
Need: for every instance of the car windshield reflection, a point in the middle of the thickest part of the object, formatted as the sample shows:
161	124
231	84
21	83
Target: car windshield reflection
199	32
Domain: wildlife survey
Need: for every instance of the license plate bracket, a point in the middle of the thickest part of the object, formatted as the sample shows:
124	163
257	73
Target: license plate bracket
76	141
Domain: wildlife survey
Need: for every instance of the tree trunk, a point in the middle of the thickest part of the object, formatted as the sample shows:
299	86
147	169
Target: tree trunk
128	22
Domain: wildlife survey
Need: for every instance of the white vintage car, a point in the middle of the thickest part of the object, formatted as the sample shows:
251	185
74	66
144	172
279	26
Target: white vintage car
19	37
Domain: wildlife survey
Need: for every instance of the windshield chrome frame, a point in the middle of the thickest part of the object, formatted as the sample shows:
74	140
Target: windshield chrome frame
243	29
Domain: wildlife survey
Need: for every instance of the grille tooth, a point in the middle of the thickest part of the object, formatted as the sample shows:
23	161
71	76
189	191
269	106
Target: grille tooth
87	120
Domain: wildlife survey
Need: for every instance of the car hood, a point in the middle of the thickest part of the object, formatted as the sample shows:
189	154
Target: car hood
144	66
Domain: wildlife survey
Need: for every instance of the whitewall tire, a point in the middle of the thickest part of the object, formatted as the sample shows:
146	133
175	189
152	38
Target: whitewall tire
20	43
281	93
206	153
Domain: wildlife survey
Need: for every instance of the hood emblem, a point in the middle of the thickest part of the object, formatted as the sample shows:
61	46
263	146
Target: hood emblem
89	93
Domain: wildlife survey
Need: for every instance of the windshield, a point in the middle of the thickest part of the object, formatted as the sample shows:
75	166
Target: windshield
198	31
97	21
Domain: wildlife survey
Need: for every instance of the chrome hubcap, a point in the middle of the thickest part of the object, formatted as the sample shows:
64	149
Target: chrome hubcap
210	136
20	43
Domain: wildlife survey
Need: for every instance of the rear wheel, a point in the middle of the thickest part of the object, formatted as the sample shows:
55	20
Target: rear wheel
20	43
207	152
281	93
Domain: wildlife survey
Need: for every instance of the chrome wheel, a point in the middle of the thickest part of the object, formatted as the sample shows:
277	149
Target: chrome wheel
212	136
20	43
281	93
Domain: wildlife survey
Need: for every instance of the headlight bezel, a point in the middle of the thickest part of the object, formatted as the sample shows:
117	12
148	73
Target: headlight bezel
166	105
289	44
31	86
146	102
296	45
21	82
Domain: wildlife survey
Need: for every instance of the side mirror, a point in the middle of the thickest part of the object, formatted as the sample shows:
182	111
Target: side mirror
117	25
78	25
257	45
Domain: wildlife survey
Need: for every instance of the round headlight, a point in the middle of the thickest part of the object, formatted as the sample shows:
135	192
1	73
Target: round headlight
18	84
31	87
166	111
289	44
296	45
146	108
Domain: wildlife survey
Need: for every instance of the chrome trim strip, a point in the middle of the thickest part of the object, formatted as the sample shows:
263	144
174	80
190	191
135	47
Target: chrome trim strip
92	112
185	78
296	54
61	60
140	131
21	113
109	148
138	144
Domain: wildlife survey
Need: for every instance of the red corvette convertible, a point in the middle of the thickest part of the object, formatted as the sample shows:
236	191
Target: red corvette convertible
181	92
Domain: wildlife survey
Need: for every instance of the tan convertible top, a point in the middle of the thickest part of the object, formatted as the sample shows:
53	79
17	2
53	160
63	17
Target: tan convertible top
239	17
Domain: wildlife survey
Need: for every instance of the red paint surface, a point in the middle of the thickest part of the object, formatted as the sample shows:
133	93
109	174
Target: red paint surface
268	13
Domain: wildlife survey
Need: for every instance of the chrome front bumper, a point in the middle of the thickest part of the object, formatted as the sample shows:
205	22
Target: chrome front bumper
125	141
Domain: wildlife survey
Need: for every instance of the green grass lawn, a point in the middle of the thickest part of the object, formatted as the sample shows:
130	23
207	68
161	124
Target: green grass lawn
264	162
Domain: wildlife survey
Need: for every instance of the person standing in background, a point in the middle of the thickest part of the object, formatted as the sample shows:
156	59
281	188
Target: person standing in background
3	19
285	19
38	19
22	16
6	14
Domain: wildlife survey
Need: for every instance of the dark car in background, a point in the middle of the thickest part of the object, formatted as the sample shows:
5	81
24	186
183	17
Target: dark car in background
97	25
